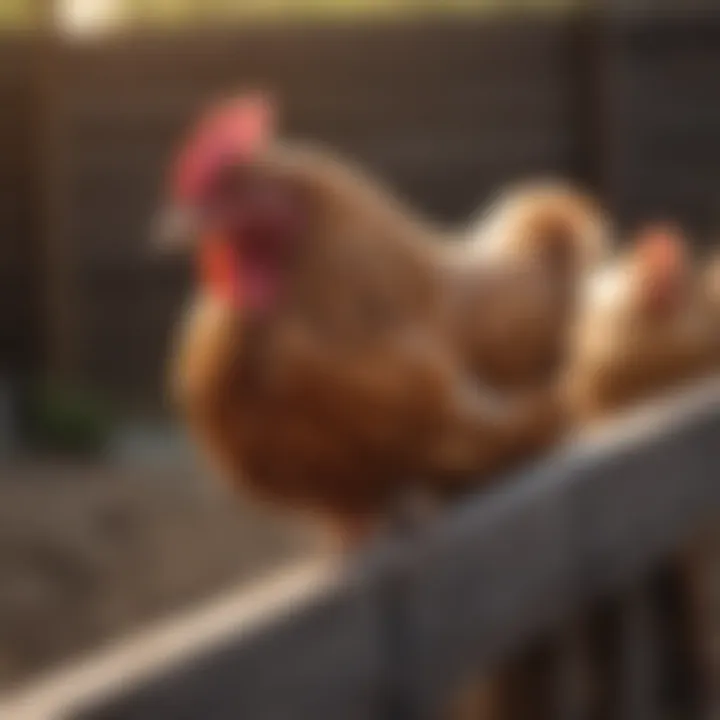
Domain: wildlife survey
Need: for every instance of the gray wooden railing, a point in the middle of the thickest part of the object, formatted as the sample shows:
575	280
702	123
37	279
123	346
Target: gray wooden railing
395	636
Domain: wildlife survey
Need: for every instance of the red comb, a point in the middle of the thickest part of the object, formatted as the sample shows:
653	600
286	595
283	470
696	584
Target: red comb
233	131
664	263
662	249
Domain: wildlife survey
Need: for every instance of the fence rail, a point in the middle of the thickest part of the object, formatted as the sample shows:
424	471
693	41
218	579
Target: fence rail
394	636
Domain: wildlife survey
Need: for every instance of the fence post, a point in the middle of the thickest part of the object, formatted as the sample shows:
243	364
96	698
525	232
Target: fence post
398	634
640	683
55	267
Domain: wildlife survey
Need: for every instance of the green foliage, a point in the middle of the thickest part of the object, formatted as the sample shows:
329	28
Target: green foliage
66	420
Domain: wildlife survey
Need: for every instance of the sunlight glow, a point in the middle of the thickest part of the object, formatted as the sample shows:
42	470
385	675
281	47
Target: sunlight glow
80	17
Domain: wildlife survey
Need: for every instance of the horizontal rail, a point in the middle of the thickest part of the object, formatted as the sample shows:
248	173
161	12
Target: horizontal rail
163	645
468	589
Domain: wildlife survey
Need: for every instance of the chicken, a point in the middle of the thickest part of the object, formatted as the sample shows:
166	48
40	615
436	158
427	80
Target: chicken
318	363
645	326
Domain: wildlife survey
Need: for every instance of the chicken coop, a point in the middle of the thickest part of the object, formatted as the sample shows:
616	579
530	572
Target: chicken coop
447	109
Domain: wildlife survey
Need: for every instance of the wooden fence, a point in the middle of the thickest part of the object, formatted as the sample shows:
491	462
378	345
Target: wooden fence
662	136
394	637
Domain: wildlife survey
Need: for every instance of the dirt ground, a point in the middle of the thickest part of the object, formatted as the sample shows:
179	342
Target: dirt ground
89	553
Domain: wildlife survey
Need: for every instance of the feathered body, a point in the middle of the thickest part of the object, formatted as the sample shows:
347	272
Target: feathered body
359	350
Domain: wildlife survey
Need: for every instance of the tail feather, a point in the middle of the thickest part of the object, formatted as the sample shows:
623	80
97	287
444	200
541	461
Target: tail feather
551	222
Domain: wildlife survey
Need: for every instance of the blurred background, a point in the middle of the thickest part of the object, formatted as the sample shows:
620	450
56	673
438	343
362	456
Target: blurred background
104	522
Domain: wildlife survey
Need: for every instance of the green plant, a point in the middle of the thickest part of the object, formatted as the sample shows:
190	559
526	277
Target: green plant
67	420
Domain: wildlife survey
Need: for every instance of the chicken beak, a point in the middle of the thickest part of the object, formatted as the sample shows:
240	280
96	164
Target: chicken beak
175	229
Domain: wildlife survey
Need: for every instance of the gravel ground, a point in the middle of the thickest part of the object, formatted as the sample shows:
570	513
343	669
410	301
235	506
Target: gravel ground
89	553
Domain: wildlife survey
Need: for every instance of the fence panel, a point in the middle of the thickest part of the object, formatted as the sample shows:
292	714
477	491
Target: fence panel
663	118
